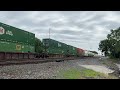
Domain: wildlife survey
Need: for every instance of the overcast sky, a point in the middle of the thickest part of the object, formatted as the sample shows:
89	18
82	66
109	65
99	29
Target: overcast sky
83	29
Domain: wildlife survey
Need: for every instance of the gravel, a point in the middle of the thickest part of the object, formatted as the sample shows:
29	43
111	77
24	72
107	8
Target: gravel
36	71
49	70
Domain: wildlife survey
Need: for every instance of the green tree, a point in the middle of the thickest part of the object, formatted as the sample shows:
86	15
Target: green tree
104	46
38	46
111	45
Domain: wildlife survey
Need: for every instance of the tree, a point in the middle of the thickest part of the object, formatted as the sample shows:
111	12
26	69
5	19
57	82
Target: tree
111	45
104	46
38	46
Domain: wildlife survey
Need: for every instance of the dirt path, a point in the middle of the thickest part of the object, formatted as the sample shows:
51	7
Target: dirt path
95	64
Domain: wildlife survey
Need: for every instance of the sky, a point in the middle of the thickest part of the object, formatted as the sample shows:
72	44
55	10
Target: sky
82	29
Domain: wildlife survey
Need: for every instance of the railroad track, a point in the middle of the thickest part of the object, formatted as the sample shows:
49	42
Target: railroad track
31	61
34	61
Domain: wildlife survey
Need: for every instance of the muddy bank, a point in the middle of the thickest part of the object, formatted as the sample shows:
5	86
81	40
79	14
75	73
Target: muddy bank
116	71
113	65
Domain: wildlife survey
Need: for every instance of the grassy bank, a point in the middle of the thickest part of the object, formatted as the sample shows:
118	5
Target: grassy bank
84	74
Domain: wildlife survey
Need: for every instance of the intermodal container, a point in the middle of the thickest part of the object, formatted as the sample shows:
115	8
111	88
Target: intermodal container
80	52
54	47
15	35
16	47
31	39
72	50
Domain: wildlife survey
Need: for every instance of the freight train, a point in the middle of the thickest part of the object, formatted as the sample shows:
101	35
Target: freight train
16	43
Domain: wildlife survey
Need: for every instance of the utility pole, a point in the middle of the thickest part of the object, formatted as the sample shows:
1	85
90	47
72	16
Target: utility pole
49	37
49	33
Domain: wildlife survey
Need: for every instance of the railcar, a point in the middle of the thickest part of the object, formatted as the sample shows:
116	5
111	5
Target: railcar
16	43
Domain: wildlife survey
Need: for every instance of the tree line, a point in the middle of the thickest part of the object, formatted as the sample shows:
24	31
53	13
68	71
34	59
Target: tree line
111	45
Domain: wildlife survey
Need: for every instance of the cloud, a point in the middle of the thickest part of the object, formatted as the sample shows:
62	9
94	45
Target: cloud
82	29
